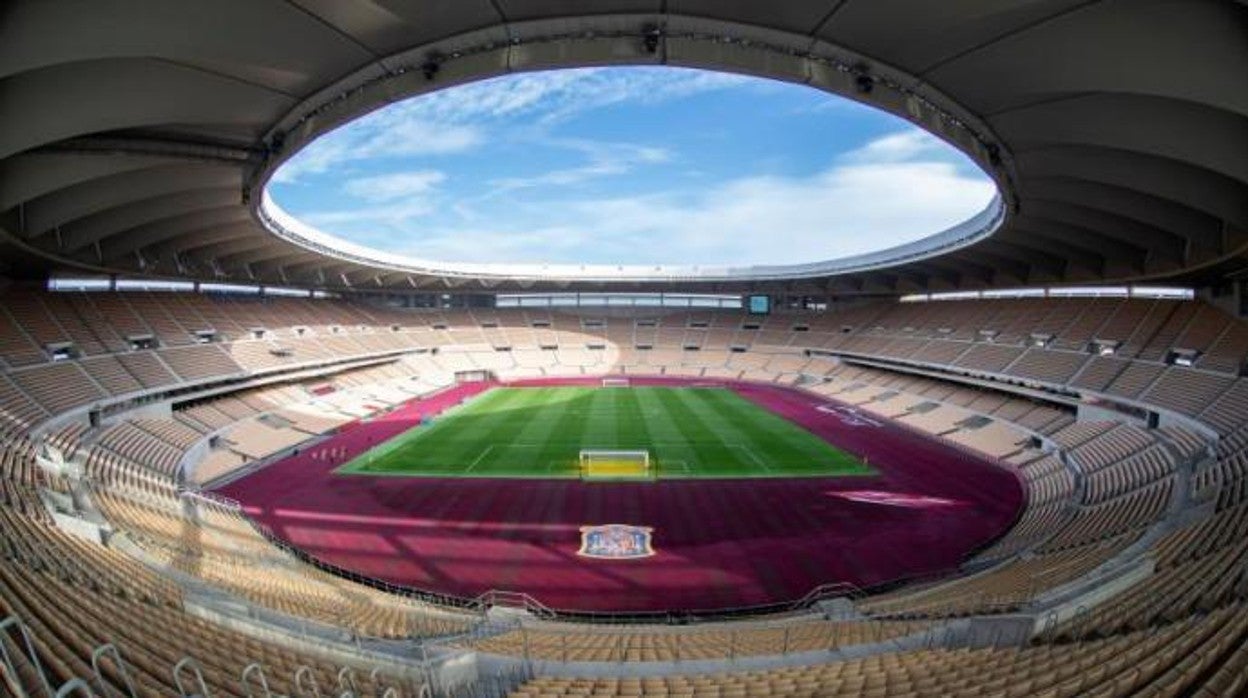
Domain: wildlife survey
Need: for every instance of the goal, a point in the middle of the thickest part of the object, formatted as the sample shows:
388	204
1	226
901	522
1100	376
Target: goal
615	382
599	464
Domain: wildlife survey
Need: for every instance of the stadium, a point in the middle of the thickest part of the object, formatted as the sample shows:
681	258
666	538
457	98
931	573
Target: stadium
244	456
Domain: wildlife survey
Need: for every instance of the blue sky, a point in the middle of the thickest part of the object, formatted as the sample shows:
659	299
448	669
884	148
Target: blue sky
630	166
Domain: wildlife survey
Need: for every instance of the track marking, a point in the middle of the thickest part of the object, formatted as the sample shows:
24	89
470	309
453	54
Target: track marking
848	415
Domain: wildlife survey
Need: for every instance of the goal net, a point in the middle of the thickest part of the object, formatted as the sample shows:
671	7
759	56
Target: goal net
598	464
615	382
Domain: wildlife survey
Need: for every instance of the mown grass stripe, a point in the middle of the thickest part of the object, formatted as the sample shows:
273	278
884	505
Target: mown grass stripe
538	432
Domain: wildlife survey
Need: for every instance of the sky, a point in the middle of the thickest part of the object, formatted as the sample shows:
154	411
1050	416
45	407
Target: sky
642	165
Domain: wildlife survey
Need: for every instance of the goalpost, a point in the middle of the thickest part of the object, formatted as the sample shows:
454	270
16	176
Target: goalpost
601	464
615	382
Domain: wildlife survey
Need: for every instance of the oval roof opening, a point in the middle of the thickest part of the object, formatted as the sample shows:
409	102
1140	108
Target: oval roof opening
638	167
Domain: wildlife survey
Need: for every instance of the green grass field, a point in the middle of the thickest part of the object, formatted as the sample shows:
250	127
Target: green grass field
539	432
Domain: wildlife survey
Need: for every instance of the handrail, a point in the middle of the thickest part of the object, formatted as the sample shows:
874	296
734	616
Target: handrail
823	592
203	496
72	685
375	678
503	597
9	664
305	672
347	682
97	654
182	665
245	681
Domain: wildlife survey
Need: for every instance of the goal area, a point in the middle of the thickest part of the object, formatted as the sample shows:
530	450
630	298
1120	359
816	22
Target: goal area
601	464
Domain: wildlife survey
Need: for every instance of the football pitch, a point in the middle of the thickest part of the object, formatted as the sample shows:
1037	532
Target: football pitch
540	432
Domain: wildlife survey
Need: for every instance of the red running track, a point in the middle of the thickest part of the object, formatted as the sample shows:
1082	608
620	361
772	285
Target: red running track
719	543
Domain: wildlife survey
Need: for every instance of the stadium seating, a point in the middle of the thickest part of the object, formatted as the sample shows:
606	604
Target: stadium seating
1101	492
641	643
1185	656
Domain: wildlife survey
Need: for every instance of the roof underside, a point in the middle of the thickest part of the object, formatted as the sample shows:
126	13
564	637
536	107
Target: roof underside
137	135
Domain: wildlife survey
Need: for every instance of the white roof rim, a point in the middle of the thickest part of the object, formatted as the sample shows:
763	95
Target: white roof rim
289	228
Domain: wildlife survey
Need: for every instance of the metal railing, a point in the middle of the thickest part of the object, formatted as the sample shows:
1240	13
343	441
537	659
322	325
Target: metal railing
212	498
123	675
514	599
74	686
20	660
184	665
13	624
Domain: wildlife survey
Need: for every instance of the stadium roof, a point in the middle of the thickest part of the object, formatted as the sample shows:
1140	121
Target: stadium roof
137	136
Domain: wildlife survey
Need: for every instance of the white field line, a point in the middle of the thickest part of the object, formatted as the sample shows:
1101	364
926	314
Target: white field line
684	465
484	452
754	457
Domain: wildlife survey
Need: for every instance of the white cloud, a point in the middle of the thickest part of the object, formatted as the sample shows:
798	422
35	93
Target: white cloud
891	191
393	202
750	221
369	141
556	95
374	225
602	159
599	89
397	185
460	119
903	146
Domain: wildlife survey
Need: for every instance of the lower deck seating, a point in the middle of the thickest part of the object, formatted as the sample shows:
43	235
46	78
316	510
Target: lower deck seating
567	642
107	597
1183	658
226	551
1004	588
1199	567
